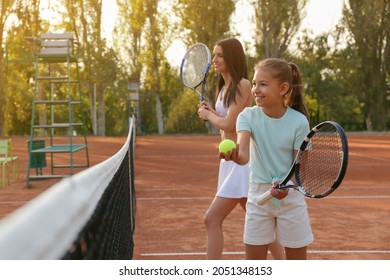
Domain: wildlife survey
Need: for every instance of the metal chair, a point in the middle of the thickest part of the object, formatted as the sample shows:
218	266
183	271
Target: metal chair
6	159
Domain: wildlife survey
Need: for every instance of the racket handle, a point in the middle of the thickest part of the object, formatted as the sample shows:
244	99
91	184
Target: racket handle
262	199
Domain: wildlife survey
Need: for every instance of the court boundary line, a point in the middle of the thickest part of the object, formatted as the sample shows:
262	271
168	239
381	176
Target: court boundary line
370	157
243	253
211	197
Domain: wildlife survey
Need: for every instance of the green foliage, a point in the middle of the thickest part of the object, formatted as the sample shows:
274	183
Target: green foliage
369	25
131	21
198	18
15	88
326	93
183	118
18	100
346	81
148	112
278	21
117	109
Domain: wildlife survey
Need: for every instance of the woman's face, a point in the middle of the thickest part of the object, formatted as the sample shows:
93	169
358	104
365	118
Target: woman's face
218	60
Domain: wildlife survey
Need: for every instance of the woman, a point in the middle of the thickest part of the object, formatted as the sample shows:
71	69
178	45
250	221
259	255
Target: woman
233	94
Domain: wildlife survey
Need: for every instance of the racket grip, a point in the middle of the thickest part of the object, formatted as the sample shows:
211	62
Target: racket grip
262	199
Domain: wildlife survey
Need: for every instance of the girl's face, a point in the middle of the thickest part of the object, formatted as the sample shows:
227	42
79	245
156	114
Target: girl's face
267	91
218	60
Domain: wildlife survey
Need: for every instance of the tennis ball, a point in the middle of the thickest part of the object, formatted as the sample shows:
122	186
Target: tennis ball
226	145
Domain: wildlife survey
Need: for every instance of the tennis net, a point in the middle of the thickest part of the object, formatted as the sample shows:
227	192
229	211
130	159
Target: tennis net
90	215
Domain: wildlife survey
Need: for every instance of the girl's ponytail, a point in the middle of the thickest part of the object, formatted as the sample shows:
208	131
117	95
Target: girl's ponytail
294	98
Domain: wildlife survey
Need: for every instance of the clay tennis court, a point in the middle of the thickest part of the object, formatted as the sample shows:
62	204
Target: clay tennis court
175	178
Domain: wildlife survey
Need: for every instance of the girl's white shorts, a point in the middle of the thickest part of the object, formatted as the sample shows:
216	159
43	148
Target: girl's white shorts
289	216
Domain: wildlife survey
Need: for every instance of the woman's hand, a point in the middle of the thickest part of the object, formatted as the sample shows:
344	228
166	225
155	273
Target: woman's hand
204	109
203	114
204	105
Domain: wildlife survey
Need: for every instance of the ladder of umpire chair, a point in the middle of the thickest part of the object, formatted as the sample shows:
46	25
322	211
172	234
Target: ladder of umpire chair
57	91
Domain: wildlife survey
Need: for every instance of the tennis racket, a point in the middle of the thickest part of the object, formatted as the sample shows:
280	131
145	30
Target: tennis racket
320	163
195	67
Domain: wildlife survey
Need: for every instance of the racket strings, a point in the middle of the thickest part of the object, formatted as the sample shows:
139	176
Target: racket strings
195	66
321	163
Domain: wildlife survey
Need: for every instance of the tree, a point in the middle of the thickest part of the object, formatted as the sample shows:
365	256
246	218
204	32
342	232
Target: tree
368	23
328	80
17	92
5	11
144	55
131	21
179	120
84	19
206	22
278	21
154	55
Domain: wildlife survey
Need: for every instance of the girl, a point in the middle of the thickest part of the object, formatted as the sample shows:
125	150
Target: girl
268	136
233	95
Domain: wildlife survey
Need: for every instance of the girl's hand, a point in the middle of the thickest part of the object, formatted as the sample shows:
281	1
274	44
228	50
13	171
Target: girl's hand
277	193
233	155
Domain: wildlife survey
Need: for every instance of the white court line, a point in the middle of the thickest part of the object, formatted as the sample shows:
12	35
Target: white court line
13	202
360	197
175	198
177	156
243	253
212	156
208	198
364	156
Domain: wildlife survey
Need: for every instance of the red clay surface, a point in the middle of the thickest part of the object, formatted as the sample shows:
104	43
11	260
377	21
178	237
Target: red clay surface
175	180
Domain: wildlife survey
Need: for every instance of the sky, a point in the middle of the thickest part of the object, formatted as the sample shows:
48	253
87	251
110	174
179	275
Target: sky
322	15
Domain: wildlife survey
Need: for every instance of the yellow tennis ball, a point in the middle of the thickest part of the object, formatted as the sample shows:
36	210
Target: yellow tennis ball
226	145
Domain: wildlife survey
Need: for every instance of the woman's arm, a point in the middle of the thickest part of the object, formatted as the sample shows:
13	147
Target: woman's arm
228	123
